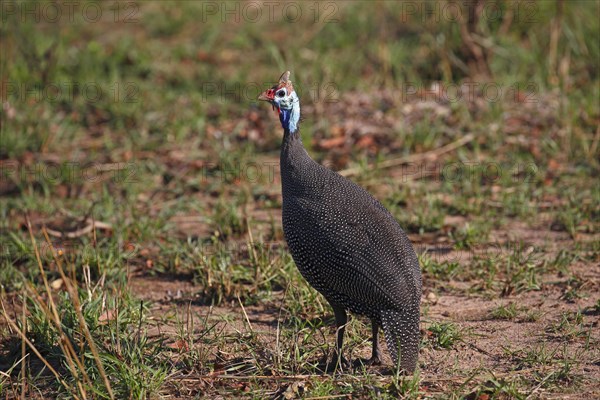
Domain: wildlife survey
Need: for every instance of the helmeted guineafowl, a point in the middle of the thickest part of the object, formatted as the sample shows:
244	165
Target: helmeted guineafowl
345	243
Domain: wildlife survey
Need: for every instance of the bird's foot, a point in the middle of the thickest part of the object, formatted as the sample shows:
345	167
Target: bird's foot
367	362
375	360
337	364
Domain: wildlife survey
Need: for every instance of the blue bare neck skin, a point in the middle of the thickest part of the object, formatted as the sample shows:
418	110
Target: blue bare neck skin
289	125
292	150
289	113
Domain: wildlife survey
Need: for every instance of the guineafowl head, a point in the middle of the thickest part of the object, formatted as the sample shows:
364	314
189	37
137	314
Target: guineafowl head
284	99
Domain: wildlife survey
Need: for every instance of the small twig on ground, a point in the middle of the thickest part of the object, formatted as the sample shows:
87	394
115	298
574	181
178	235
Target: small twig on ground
245	314
480	350
433	154
91	224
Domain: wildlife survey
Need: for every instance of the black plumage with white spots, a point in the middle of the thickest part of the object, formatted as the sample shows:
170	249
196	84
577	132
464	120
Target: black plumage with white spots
345	243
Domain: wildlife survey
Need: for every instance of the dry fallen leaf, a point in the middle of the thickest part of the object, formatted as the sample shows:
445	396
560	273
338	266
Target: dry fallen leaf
432	298
56	284
337	131
365	141
179	345
294	391
327	144
108	315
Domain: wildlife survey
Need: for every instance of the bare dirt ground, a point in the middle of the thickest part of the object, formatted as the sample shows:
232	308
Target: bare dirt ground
550	332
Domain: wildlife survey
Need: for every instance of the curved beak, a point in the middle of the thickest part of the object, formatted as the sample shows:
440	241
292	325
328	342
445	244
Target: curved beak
267	95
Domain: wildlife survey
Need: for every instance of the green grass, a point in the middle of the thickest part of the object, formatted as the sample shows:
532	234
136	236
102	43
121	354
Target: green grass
444	335
508	312
84	336
142	131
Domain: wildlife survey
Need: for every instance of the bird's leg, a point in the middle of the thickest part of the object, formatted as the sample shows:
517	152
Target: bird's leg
340	321
375	356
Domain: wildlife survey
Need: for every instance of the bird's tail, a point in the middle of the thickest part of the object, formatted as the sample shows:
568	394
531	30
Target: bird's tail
401	330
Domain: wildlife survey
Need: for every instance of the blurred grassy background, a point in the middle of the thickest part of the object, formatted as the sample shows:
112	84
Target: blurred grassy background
166	72
142	115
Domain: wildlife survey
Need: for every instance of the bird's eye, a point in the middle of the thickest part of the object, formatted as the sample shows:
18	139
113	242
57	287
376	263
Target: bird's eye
280	93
